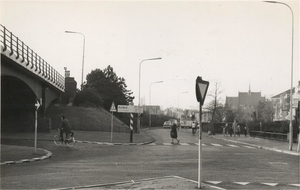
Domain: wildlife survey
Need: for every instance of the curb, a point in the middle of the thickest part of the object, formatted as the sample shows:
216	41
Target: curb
48	155
260	147
110	144
138	181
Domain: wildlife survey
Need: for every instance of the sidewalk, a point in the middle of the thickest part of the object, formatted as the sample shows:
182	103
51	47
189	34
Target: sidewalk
272	145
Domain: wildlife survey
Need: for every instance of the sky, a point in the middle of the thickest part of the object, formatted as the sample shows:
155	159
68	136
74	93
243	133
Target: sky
235	44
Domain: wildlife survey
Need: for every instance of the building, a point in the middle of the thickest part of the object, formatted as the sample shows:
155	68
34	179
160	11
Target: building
244	100
282	103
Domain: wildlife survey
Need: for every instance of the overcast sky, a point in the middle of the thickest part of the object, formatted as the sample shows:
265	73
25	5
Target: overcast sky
233	43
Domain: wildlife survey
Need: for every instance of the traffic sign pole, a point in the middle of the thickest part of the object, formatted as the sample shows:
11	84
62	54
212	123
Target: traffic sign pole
35	131
201	90
112	126
200	147
37	105
112	109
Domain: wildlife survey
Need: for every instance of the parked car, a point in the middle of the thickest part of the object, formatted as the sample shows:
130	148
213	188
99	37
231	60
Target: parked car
174	121
167	124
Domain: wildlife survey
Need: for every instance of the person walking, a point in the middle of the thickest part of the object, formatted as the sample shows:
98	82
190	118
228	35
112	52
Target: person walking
225	130
173	133
230	131
234	127
238	130
245	131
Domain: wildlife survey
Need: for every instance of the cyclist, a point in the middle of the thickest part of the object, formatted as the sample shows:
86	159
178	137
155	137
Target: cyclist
65	128
194	127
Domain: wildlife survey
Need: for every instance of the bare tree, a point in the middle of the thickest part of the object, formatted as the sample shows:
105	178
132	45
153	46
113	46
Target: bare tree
215	106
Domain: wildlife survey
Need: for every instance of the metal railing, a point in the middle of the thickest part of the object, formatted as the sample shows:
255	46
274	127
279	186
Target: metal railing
29	59
269	135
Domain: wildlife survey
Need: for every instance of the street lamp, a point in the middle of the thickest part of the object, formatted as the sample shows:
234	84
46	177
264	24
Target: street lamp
82	54
291	91
150	101
139	116
178	98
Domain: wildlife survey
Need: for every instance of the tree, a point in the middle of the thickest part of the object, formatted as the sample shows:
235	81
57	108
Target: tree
215	106
265	111
109	86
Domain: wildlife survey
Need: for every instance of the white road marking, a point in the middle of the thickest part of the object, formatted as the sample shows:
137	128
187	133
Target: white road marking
214	182
232	145
270	184
216	144
249	147
242	183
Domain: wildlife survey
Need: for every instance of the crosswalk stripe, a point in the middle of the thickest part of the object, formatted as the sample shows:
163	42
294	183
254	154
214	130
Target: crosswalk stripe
297	185
216	144
232	145
214	182
184	144
168	144
249	146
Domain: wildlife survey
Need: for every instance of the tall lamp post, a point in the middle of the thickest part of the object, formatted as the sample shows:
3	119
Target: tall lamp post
82	54
150	101
139	115
291	91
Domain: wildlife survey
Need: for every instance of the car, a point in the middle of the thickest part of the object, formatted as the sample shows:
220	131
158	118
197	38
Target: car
167	124
174	121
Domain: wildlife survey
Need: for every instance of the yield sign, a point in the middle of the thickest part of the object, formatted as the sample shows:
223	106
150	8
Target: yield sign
201	89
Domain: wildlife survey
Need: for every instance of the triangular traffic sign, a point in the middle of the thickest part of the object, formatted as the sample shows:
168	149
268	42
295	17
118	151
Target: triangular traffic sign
113	107
201	89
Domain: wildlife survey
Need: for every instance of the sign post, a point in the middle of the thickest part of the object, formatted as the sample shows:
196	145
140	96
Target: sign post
298	116
37	105
201	90
130	109
112	109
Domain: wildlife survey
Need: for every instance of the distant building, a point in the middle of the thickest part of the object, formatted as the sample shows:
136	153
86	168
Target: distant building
245	100
152	109
282	103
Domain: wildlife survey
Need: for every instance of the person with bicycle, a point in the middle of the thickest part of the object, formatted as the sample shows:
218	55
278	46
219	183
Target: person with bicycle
194	127
64	128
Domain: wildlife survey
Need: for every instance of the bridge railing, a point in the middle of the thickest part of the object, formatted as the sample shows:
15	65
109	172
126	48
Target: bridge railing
29	59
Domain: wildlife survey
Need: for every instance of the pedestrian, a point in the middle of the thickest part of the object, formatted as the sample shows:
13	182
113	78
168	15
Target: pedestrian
230	131
234	127
173	133
238	130
245	131
224	130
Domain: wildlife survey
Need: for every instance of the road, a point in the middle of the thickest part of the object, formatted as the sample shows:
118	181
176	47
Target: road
226	165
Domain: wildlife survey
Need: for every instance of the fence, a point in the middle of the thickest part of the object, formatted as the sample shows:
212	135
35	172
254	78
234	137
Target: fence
29	59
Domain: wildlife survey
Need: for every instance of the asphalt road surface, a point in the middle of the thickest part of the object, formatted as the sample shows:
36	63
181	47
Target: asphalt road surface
224	164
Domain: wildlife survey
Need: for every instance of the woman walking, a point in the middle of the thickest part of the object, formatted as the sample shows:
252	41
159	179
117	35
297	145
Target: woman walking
173	133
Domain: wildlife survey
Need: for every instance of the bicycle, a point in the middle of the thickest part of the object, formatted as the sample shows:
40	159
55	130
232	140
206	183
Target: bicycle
70	140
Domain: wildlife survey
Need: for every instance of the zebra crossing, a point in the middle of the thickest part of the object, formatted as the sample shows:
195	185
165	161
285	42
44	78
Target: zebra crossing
203	144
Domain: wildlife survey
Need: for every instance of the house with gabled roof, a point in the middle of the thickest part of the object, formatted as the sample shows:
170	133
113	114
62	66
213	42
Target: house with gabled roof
282	103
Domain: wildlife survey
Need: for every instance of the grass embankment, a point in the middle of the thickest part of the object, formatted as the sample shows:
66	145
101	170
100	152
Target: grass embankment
86	119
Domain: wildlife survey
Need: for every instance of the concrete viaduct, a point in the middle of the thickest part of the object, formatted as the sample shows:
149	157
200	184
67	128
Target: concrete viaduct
25	78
